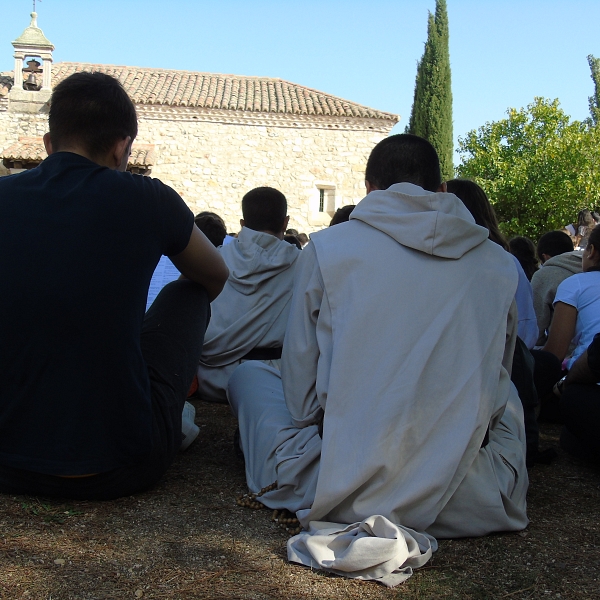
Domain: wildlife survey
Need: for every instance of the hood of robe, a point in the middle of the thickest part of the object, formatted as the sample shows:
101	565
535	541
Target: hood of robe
437	223
571	261
255	257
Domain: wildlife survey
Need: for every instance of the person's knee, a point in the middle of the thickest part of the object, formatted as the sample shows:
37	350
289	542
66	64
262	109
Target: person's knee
249	376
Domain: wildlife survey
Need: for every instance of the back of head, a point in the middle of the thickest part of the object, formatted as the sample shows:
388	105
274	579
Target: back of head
264	209
554	243
90	110
212	226
342	214
404	158
293	240
594	239
476	201
585	218
303	238
524	250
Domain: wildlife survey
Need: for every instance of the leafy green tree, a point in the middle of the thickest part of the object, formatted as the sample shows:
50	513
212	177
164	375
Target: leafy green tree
537	167
595	99
431	114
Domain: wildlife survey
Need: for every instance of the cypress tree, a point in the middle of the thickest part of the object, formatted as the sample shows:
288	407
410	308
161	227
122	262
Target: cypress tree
595	99
431	114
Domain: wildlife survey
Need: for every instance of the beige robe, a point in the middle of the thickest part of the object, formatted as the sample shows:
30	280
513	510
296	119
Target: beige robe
400	341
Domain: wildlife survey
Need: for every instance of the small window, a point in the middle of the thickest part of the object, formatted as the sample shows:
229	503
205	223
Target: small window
321	204
326	200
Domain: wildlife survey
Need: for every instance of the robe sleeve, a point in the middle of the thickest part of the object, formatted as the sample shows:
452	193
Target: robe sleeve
301	355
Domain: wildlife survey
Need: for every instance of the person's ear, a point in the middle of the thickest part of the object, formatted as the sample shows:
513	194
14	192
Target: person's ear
286	222
443	187
120	153
370	187
545	257
48	144
592	253
242	224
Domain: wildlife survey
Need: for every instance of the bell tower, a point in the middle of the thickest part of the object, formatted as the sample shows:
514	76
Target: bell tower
32	83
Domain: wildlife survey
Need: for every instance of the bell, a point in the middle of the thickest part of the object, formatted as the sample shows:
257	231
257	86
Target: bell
31	84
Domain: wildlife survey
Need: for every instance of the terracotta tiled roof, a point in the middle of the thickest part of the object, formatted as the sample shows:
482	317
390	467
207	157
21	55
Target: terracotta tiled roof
142	155
31	149
229	92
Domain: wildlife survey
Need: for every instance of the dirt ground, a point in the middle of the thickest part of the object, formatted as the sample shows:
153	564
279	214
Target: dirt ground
188	539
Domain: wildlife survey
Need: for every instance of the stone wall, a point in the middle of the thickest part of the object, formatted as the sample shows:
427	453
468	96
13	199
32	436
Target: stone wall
212	162
14	125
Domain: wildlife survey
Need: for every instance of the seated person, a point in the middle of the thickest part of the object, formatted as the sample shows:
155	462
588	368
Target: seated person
92	389
575	322
249	317
524	249
478	204
394	397
303	239
577	306
342	215
212	226
580	405
555	251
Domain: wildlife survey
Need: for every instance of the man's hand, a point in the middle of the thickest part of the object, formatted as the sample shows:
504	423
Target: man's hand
202	263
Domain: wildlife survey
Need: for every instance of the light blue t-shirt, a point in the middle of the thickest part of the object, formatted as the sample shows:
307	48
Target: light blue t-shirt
582	291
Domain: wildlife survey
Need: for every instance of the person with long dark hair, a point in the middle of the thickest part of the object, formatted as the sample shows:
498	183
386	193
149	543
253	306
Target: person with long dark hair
476	200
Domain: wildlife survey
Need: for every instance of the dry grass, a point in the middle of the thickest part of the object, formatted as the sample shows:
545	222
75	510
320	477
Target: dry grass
188	539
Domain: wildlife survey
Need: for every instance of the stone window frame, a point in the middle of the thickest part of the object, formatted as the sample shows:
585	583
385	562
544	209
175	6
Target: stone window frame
320	215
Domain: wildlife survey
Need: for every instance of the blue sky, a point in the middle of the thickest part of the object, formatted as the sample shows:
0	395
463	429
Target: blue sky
503	53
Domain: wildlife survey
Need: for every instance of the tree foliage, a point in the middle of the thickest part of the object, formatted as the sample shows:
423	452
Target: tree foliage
537	167
595	99
431	114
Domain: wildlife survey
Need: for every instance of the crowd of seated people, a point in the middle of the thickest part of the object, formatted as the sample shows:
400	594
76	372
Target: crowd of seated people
385	374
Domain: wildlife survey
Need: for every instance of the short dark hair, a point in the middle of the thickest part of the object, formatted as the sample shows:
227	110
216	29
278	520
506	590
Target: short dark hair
264	209
554	243
404	158
212	226
93	110
293	240
475	199
342	215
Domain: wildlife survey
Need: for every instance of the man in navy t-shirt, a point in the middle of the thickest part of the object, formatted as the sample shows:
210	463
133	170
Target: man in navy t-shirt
91	388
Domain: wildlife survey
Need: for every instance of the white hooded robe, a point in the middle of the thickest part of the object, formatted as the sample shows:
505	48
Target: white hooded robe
251	311
400	341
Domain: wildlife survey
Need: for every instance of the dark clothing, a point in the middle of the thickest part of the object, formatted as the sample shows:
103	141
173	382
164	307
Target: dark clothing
547	371
522	377
580	410
171	341
593	356
78	245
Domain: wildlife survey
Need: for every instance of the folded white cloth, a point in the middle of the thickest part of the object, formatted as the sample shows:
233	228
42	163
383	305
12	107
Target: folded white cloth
372	549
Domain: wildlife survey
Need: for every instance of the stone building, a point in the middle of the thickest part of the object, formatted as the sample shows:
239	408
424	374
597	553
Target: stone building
211	137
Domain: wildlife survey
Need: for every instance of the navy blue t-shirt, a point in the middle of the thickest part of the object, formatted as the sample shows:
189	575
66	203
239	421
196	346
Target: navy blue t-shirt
78	246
